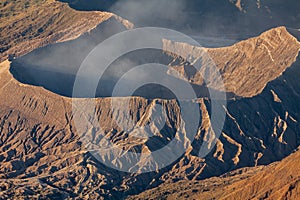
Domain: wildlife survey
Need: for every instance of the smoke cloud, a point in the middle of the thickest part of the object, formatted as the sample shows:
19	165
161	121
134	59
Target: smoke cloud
152	13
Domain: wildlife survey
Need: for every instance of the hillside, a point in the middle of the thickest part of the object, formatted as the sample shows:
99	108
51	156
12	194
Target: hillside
242	64
27	25
276	181
42	155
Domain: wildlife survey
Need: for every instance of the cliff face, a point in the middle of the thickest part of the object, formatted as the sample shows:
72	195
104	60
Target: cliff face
41	151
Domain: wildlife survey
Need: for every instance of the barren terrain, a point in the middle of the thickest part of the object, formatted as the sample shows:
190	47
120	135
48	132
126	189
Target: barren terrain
42	154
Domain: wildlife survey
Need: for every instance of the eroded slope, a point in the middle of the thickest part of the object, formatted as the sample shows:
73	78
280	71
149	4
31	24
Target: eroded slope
41	151
276	181
247	66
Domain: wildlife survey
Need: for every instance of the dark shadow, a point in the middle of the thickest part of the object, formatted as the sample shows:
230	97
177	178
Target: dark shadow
295	32
102	5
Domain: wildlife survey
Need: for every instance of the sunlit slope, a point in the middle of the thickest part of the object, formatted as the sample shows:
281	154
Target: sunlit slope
27	26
